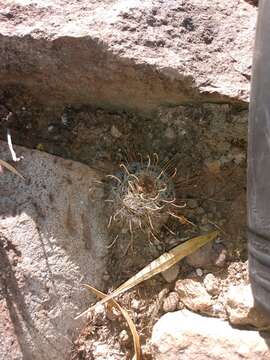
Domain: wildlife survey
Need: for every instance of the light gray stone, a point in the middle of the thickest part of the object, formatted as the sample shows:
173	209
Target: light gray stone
171	274
135	54
183	335
240	307
52	239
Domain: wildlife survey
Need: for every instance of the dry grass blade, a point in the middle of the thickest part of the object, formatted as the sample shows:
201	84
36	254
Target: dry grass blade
164	262
114	303
10	168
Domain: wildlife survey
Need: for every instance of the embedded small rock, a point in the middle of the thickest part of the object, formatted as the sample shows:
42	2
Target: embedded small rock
194	296
201	258
115	132
171	274
171	302
211	254
211	284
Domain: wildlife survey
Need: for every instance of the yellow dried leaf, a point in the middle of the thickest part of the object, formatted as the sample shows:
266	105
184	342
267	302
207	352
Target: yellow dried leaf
10	168
164	262
114	303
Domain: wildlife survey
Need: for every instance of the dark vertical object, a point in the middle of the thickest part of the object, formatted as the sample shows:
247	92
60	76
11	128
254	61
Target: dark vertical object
259	163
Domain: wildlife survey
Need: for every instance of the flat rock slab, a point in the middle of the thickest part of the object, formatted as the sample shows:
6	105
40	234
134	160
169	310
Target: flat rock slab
185	335
52	239
135	54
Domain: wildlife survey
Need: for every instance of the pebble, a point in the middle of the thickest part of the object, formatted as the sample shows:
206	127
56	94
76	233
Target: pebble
199	272
211	283
170	303
115	132
124	337
220	256
201	258
64	119
135	304
50	128
99	314
171	274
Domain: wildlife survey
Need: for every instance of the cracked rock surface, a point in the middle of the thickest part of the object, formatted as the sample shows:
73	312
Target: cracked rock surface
127	54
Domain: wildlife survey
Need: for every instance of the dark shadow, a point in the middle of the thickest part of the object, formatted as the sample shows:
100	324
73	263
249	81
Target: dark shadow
21	319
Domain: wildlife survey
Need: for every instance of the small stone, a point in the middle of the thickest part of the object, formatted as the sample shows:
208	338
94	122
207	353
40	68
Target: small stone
171	274
194	296
211	254
219	255
201	257
115	132
171	302
211	284
64	119
135	304
113	314
99	314
199	272
124	338
51	128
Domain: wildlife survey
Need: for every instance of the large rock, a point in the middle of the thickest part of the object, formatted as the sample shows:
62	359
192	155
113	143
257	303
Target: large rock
130	54
185	335
51	239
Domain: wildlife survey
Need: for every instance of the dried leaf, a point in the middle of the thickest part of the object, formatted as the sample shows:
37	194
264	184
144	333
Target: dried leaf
10	168
161	264
114	303
164	262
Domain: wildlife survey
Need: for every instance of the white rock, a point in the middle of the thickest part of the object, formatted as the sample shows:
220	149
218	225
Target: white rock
185	335
240	307
199	272
211	284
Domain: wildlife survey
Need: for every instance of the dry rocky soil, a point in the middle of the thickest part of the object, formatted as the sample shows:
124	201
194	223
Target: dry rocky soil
86	86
